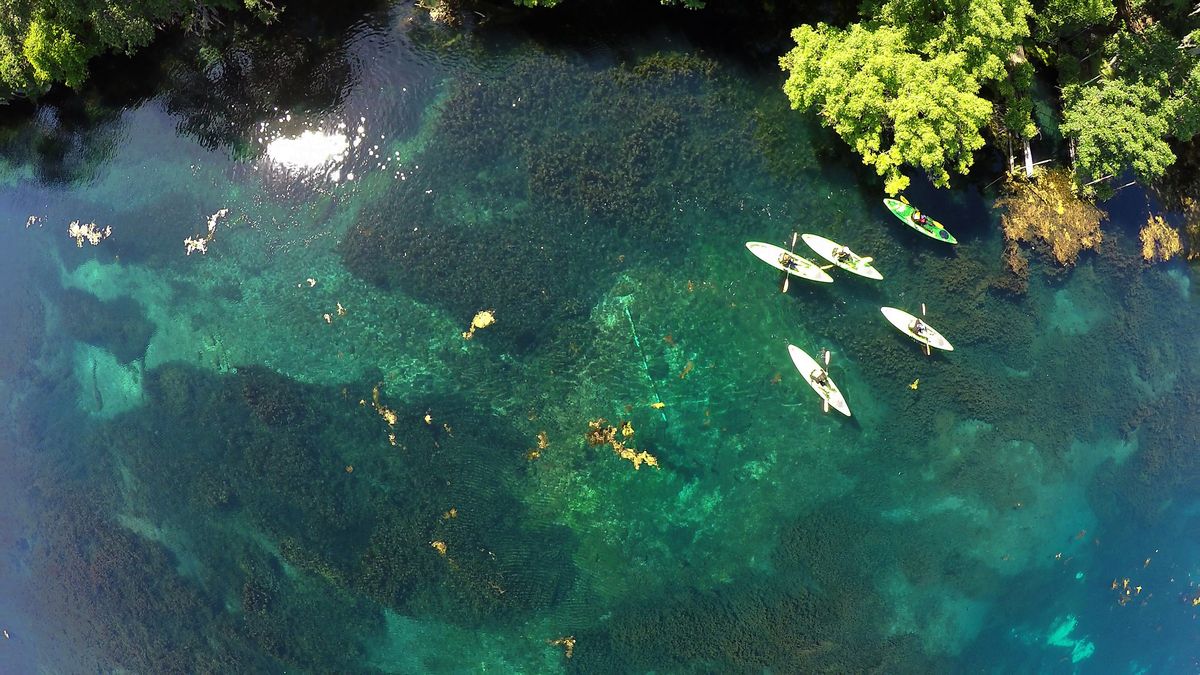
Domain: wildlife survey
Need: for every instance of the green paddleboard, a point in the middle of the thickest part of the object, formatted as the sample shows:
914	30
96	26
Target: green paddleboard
931	227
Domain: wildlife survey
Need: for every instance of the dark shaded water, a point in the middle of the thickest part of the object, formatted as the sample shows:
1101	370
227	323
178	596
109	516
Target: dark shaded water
282	454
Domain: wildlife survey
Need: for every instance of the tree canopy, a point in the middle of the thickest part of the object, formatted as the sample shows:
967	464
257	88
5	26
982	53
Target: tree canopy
893	106
916	83
1144	95
1117	125
906	89
48	41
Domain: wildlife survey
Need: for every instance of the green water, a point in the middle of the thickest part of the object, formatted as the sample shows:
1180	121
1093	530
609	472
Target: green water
206	475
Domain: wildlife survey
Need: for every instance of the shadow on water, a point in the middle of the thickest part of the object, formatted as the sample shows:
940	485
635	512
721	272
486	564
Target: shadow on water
63	140
220	84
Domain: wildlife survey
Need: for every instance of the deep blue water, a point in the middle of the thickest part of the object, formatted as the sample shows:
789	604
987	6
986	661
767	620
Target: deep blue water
282	454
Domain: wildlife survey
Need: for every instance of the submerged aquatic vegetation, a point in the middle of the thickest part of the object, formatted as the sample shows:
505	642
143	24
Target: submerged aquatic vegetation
780	623
199	244
1018	265
567	643
292	456
589	204
549	149
1160	241
601	432
1180	192
482	319
89	232
543	442
1047	210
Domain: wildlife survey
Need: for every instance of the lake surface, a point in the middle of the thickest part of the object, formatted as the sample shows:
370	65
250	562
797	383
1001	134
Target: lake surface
280	453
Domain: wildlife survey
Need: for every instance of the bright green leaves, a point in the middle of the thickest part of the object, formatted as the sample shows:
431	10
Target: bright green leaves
906	89
985	32
1116	126
1184	105
910	86
1018	108
1148	93
48	41
1058	17
1148	56
125	27
893	106
55	54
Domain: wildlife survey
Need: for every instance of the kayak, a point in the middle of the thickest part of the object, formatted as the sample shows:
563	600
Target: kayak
776	256
931	228
855	263
830	393
903	320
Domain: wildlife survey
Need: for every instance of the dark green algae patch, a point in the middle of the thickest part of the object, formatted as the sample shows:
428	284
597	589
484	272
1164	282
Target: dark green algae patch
119	325
263	524
546	176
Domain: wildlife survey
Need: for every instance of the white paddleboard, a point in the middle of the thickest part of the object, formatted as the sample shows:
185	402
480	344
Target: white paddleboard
776	256
903	321
856	264
806	365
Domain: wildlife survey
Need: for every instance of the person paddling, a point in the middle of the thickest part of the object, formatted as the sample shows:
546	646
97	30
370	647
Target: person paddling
820	378
918	328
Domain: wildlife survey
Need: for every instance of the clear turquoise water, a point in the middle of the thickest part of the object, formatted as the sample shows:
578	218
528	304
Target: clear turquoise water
200	479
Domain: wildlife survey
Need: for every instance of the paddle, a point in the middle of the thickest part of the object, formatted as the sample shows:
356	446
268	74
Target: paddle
824	400
927	350
787	276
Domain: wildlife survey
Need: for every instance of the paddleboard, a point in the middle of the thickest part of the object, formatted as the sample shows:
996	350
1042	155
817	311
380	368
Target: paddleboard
806	365
775	257
931	228
902	320
856	264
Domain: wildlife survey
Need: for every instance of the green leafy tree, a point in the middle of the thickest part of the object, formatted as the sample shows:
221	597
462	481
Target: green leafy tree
47	41
1060	17
1184	106
1116	126
910	87
54	54
893	106
1146	94
985	32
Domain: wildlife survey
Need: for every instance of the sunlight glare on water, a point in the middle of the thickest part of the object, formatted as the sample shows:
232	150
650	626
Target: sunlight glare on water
308	151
